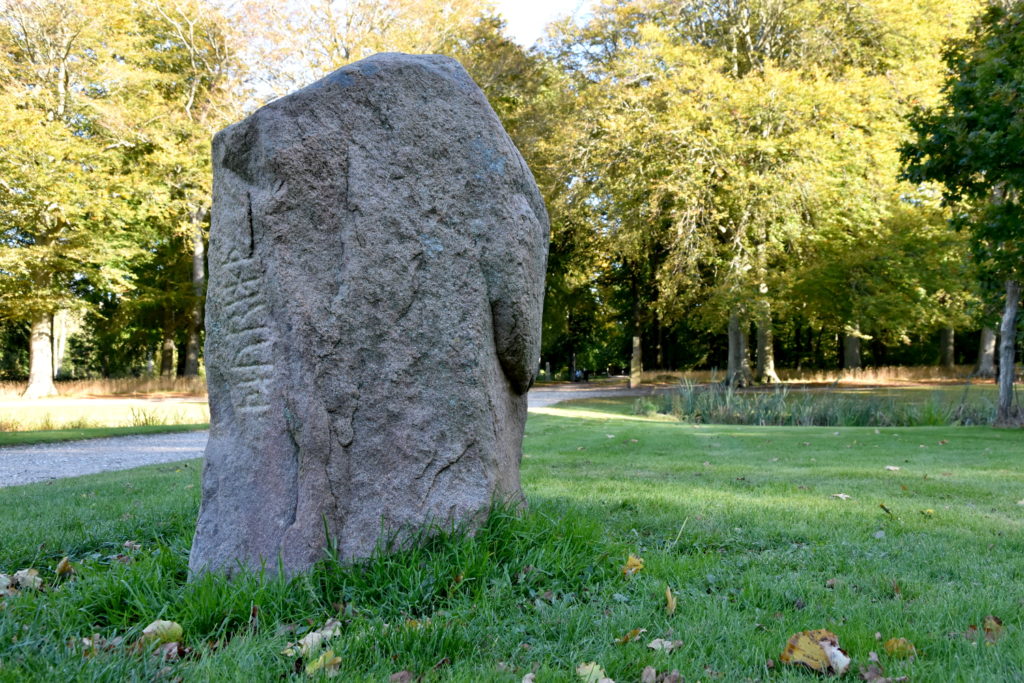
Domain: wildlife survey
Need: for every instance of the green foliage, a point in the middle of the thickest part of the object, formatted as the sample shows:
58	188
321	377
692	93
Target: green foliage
741	158
972	141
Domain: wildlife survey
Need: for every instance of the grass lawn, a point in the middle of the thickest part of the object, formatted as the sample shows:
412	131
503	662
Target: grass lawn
52	435
739	522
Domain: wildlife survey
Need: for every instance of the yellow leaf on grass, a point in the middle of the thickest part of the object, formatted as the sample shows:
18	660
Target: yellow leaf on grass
900	647
670	601
631	636
633	565
64	567
162	632
818	650
327	663
591	672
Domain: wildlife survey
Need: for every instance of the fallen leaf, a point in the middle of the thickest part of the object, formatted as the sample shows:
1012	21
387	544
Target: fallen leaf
132	545
673	677
172	652
928	513
831	583
631	636
840	496
591	672
161	631
885	508
404	676
893	468
313	640
874	674
662	645
633	565
327	663
900	647
649	675
529	678
993	628
27	578
64	567
818	650
943	442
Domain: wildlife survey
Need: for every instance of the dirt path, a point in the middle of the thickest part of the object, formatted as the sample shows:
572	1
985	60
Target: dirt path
43	462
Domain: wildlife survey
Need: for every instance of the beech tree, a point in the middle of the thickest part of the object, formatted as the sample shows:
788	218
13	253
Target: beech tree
972	142
68	199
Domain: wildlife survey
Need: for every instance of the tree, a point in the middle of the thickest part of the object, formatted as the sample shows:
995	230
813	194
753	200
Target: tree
729	145
69	199
972	143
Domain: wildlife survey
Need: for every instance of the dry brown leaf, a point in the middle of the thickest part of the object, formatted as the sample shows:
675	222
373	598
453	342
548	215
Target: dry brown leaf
404	676
27	579
172	652
670	601
64	567
631	636
874	674
663	645
900	647
818	650
633	565
649	675
993	628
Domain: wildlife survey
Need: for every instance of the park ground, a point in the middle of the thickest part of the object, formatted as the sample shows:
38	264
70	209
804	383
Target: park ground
743	526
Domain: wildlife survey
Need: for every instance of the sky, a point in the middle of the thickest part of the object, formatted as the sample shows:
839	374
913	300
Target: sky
527	18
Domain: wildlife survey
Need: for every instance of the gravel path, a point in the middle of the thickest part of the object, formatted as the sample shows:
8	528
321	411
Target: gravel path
45	461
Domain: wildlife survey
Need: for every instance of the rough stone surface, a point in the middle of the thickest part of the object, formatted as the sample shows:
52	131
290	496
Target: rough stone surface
377	259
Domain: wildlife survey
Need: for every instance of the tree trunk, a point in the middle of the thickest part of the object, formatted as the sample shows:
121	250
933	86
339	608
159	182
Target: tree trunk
738	373
195	321
40	358
60	341
947	350
851	352
986	367
636	366
765	372
1008	413
167	357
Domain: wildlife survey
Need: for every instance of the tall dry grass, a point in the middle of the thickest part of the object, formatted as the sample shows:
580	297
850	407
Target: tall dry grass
879	375
131	386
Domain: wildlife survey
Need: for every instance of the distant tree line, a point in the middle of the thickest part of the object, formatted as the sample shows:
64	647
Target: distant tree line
739	184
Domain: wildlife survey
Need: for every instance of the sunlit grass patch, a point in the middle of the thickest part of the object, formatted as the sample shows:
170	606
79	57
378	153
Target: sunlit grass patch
65	413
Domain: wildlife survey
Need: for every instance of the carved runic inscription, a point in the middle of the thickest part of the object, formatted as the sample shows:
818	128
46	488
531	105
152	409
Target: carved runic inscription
247	335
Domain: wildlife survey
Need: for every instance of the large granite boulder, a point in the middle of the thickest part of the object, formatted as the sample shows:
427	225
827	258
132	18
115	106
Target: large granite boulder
377	260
